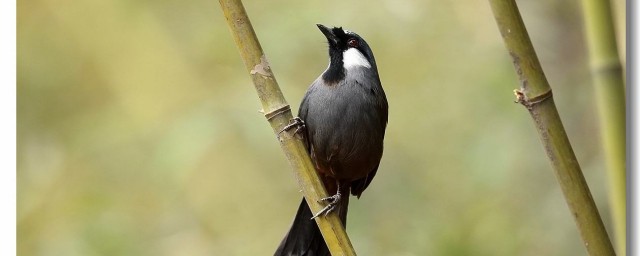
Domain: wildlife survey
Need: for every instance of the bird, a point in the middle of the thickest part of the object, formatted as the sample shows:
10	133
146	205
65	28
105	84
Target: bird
343	117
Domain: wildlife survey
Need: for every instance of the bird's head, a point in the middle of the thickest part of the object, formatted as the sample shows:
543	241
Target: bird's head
347	50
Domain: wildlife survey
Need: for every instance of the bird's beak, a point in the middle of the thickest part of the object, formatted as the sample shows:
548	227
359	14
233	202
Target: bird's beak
328	34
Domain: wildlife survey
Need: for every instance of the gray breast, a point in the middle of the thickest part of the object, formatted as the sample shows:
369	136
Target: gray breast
346	122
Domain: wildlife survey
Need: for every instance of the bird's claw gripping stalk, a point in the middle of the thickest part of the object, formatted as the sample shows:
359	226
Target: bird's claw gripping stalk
333	201
294	122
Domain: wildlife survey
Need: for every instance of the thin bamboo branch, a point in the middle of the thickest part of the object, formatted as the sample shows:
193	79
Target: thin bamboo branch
278	113
535	95
610	95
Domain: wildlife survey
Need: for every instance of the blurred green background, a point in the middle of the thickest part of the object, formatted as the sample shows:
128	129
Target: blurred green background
139	131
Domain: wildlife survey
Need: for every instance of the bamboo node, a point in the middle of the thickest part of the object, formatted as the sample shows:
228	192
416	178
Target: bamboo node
529	103
278	111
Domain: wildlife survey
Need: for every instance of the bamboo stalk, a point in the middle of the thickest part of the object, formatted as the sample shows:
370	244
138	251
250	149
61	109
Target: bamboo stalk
610	97
535	95
278	114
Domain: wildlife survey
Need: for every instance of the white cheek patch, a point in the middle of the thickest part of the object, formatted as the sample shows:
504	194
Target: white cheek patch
353	58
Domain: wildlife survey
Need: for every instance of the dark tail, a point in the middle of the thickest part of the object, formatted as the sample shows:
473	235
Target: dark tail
304	237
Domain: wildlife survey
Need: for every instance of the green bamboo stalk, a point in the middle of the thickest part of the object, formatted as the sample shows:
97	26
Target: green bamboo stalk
610	96
535	95
278	113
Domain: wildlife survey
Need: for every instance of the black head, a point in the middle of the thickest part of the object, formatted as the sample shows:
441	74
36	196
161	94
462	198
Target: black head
346	50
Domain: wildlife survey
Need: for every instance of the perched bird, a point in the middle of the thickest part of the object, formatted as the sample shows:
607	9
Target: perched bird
344	113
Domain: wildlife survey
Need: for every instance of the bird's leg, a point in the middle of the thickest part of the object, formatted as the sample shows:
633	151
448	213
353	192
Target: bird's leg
294	122
333	201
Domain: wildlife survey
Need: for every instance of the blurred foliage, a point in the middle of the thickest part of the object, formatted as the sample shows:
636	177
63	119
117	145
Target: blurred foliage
139	131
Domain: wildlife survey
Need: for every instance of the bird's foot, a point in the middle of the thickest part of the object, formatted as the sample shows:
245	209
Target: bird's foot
294	122
333	202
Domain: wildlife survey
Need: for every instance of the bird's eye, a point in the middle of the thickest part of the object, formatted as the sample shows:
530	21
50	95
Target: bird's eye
352	42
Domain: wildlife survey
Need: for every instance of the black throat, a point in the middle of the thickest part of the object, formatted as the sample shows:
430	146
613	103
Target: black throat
335	72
